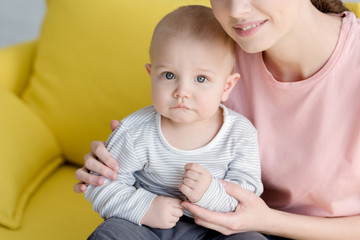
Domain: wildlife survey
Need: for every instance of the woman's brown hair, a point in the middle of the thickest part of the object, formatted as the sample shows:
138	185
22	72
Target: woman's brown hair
329	6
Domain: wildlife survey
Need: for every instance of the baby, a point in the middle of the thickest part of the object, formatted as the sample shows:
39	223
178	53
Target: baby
178	148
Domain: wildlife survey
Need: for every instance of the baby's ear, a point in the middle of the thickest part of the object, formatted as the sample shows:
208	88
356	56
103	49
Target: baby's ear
148	68
229	85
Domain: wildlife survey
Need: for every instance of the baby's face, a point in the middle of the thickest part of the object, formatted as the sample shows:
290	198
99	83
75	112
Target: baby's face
189	78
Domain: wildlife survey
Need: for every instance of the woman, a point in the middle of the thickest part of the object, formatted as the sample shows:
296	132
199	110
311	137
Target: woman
300	84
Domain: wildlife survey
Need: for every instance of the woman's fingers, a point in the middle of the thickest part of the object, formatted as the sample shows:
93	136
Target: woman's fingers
114	124
106	165
98	167
79	187
98	149
220	228
92	164
213	220
85	177
201	213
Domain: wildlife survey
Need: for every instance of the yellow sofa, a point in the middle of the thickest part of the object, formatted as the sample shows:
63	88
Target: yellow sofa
59	93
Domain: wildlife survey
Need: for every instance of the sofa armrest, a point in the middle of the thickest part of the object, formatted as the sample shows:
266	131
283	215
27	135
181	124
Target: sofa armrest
16	65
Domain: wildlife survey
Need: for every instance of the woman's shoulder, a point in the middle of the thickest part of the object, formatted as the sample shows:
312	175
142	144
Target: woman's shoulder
351	20
351	26
349	37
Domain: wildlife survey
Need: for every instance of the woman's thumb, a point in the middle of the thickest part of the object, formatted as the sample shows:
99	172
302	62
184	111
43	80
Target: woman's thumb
114	124
236	191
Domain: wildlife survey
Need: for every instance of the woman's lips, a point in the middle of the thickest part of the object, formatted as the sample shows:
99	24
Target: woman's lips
248	29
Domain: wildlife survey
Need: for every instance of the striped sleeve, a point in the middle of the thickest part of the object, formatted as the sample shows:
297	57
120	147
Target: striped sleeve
216	199
120	198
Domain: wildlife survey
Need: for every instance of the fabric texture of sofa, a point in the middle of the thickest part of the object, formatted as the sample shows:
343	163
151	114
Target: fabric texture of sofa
59	93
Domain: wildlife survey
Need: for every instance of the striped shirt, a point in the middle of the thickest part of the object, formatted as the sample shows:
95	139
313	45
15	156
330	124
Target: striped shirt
149	166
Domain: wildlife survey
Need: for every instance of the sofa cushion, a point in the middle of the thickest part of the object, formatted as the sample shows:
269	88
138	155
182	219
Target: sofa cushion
89	66
29	153
16	64
55	212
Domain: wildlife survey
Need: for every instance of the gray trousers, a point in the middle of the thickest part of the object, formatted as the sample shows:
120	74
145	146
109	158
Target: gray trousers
185	229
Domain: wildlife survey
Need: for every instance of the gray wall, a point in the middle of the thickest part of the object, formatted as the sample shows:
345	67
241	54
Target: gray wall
20	20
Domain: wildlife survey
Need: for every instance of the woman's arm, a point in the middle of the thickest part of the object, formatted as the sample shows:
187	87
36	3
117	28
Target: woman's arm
107	167
307	227
252	214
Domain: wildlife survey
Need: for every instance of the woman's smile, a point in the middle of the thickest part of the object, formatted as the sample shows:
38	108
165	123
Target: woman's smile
248	29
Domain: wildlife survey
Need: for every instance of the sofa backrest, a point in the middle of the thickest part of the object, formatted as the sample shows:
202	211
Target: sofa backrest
89	66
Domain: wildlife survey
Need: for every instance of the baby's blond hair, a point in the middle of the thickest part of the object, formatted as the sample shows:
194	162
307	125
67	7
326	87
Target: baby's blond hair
194	21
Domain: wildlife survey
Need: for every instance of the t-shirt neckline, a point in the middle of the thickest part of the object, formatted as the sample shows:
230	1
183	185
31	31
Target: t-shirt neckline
345	26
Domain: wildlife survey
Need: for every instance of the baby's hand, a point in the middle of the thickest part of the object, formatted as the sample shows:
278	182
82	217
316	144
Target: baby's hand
196	181
164	212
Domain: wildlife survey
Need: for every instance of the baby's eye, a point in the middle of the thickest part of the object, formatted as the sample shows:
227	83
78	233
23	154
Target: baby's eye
168	75
201	79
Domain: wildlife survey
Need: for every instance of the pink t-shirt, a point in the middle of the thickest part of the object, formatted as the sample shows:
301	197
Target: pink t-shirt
309	131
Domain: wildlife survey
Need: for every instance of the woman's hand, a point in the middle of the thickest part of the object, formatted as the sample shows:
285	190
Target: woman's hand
252	214
249	215
107	166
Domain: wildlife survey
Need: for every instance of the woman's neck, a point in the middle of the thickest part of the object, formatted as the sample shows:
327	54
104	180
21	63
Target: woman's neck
306	49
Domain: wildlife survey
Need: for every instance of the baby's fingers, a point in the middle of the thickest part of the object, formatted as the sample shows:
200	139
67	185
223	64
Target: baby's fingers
177	212
191	174
194	167
186	190
190	182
